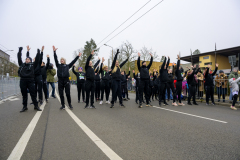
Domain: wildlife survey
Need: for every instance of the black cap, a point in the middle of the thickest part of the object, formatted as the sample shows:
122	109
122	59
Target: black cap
143	62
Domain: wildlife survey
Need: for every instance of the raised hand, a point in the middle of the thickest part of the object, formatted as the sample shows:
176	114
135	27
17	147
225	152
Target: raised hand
118	51
168	57
133	71
54	49
129	68
178	57
92	52
42	48
79	54
28	48
47	55
20	49
139	54
216	65
99	58
103	59
74	65
195	66
208	66
150	54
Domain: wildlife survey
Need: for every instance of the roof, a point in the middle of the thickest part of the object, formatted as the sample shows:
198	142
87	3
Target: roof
224	52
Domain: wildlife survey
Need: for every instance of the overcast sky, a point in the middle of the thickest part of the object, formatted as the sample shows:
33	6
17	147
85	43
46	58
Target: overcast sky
173	26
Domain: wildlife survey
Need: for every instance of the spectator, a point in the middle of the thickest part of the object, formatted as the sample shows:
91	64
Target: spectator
200	85
233	74
221	84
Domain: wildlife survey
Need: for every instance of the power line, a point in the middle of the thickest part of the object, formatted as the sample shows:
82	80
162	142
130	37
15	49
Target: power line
125	21
133	22
8	49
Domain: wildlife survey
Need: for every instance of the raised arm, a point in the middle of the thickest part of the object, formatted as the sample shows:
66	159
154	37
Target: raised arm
37	59
215	71
28	49
164	62
74	61
114	60
97	63
100	71
178	62
138	62
55	56
206	73
151	60
20	56
168	62
128	73
73	70
97	69
122	64
87	63
48	62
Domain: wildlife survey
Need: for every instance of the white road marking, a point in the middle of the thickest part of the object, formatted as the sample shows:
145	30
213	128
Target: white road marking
23	141
190	114
107	150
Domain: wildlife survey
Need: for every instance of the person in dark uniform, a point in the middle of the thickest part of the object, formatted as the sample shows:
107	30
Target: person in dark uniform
63	78
179	75
44	76
105	78
137	78
170	85
97	82
26	73
38	77
90	75
163	81
144	80
80	82
155	84
124	84
116	80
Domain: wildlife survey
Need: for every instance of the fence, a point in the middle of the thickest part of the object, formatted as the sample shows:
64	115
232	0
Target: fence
9	86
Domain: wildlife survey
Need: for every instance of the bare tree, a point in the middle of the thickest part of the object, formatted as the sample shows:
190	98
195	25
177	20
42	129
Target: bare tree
146	56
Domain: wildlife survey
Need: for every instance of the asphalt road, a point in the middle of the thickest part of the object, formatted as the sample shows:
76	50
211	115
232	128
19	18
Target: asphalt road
170	132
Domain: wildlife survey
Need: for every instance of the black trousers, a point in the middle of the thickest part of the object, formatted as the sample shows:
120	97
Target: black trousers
179	90
45	90
150	92
97	89
209	93
81	88
116	91
192	93
89	87
105	87
137	93
144	87
155	89
30	85
235	96
39	87
124	89
162	92
63	83
171	86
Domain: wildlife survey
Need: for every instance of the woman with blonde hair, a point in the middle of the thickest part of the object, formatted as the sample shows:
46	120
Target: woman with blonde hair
105	77
116	80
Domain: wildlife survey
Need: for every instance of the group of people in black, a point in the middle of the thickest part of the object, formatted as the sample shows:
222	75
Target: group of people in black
98	80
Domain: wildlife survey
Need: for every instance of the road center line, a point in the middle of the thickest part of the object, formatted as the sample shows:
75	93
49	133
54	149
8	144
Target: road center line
107	150
23	141
191	115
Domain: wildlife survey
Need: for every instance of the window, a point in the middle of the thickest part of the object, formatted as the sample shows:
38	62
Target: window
209	63
207	57
200	61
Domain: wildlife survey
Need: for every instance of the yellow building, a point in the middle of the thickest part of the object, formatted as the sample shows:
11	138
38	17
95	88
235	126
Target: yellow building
208	58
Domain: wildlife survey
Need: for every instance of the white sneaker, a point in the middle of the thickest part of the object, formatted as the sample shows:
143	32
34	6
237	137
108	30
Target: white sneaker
101	102
108	102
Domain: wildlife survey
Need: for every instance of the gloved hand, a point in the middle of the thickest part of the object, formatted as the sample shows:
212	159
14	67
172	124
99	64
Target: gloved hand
118	51
38	51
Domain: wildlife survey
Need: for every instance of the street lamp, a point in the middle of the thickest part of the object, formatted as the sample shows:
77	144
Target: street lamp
112	50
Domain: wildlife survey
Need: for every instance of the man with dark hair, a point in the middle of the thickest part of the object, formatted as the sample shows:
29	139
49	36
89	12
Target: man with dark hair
26	73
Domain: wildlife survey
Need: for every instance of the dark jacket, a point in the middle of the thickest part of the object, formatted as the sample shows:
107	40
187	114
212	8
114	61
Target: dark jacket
116	73
90	73
191	78
63	69
44	70
164	72
37	70
178	73
144	70
104	75
209	77
97	76
80	76
27	70
124	78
